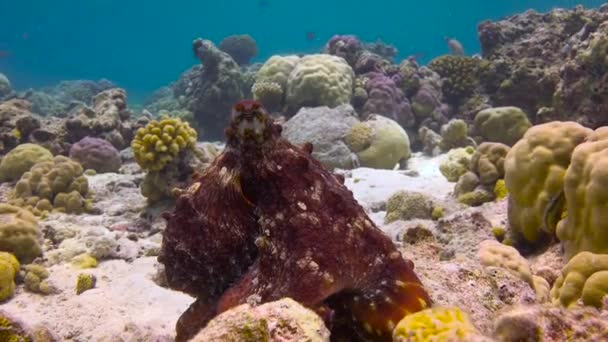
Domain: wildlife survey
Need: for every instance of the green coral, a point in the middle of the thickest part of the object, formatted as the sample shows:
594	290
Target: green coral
535	168
476	197
19	233
36	279
407	205
11	330
455	134
585	227
585	277
9	266
157	144
437	213
502	124
19	160
379	142
436	324
83	261
55	185
459	75
456	163
85	282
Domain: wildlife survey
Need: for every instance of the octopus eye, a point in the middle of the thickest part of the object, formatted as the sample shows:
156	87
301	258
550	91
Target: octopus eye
255	106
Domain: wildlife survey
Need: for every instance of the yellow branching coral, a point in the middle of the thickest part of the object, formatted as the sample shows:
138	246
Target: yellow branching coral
56	185
584	277
534	175
436	324
155	145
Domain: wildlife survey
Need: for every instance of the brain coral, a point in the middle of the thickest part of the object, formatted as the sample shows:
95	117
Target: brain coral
502	124
488	162
379	142
277	69
534	175
58	184
96	154
585	227
157	144
21	159
320	80
19	233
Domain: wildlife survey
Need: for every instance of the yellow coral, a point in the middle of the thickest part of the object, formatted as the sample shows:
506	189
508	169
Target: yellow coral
19	233
83	261
534	175
385	142
435	324
85	282
456	163
584	277
11	330
495	254
36	279
585	227
155	145
9	266
500	189
20	159
58	185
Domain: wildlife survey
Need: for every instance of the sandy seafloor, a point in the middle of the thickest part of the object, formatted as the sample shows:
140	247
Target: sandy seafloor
128	305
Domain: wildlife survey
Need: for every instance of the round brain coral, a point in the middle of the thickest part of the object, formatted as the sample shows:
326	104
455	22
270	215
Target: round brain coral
58	185
19	233
585	227
502	124
21	159
96	154
277	69
320	80
9	266
534	175
155	145
379	142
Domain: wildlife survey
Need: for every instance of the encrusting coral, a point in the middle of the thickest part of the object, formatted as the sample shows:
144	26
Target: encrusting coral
294	230
56	185
157	144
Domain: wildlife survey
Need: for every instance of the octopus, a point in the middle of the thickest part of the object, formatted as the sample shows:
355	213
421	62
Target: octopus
266	221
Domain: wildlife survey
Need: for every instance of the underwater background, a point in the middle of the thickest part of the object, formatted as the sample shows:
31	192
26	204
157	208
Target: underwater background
142	46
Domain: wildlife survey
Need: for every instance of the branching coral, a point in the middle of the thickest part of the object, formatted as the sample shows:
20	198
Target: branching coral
585	278
157	144
293	230
58	185
459	75
534	175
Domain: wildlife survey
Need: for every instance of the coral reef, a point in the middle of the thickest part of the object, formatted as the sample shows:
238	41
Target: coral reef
20	159
19	233
261	173
584	278
379	143
385	98
54	185
325	128
319	80
585	227
502	124
5	86
282	320
437	324
157	144
488	162
346	46
459	76
96	154
455	134
242	48
209	90
17	122
535	168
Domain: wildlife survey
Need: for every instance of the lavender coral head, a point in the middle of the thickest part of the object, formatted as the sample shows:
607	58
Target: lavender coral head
385	98
348	47
96	154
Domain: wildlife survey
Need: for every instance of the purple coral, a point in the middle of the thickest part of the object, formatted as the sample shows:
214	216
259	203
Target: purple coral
242	48
386	99
96	154
348	47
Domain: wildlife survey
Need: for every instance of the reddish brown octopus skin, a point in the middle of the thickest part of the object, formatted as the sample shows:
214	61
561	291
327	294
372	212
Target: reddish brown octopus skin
315	242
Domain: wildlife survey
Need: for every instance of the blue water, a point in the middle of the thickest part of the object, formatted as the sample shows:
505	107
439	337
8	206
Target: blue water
142	45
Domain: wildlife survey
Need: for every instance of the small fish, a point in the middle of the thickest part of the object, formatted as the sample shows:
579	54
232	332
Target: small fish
455	46
310	36
553	212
